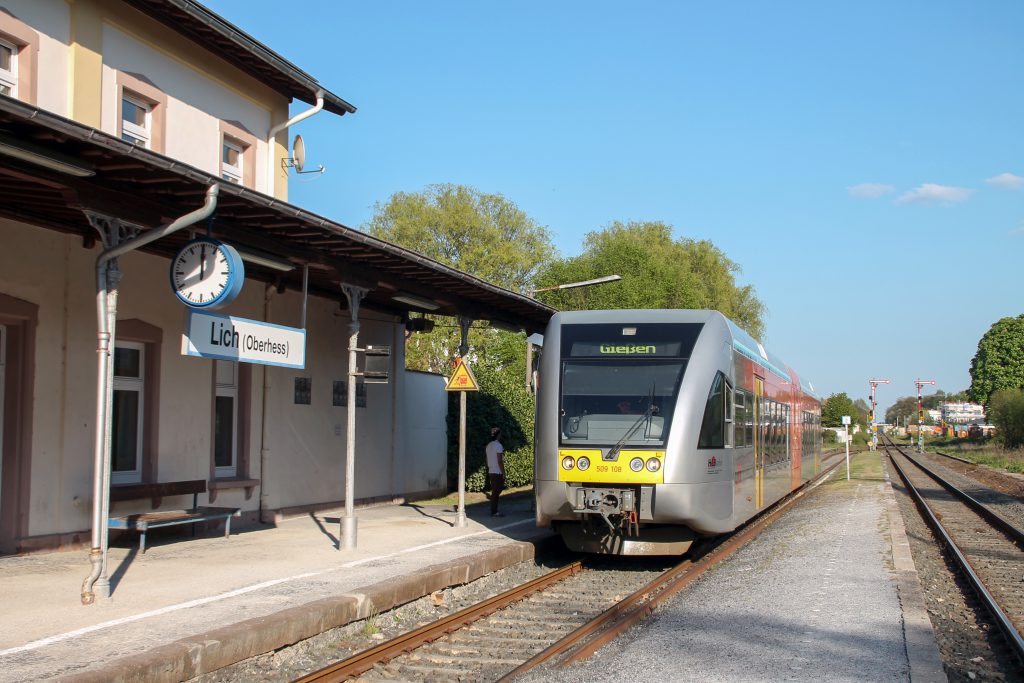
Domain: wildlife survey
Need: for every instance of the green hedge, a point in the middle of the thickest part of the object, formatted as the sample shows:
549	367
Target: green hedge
504	402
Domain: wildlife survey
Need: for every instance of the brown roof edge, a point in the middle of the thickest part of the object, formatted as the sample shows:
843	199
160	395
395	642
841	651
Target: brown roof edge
192	20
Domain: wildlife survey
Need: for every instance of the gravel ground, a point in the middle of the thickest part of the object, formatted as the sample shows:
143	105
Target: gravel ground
971	647
1002	491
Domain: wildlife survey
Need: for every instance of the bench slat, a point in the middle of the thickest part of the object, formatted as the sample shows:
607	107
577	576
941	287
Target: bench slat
144	521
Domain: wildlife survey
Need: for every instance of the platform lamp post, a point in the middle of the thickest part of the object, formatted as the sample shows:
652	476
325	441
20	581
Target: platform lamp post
920	413
871	418
568	285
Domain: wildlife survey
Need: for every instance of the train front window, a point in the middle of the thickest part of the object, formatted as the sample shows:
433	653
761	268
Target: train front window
604	402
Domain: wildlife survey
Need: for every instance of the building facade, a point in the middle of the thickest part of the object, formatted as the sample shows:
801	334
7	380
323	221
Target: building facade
116	117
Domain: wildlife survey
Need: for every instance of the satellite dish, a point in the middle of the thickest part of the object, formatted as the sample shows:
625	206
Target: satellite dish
298	153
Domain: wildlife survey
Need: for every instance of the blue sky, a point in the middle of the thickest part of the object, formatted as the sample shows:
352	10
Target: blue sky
849	156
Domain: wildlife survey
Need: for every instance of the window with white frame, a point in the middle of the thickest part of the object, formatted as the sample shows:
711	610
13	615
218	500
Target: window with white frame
231	156
128	408
8	69
136	120
225	419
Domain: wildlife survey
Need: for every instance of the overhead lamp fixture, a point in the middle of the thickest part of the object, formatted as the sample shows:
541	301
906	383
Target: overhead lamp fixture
417	301
41	156
265	260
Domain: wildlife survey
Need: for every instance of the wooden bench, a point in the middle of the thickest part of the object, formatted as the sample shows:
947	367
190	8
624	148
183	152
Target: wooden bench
143	521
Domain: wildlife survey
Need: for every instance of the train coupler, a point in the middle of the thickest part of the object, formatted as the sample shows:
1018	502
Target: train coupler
617	507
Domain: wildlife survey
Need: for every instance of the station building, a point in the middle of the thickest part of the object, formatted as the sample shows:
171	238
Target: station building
120	119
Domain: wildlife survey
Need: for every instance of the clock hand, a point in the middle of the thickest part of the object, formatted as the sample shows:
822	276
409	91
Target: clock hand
202	263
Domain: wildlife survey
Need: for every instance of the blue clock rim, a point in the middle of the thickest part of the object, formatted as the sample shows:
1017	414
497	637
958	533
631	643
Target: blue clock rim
236	275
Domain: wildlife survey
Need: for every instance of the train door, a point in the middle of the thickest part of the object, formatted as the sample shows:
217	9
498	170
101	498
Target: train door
758	444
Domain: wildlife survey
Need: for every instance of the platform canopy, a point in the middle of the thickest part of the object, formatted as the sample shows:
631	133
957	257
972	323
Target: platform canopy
52	169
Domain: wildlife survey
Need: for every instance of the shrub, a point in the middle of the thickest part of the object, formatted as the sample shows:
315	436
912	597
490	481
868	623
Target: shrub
1006	410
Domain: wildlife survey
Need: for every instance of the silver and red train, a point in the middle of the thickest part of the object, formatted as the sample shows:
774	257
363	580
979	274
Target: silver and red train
656	427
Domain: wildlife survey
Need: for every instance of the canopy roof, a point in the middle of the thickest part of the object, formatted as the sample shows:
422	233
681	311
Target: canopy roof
101	173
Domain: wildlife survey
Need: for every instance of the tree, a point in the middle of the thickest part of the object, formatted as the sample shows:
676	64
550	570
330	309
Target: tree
1006	410
485	235
999	361
833	409
863	411
657	271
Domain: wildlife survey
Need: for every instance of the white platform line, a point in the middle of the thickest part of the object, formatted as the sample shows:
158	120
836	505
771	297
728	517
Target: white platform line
51	640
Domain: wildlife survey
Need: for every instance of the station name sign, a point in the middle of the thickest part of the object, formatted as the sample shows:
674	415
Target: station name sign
227	337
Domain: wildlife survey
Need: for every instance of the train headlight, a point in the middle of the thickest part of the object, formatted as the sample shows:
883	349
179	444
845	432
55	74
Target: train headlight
653	464
568	463
636	464
583	463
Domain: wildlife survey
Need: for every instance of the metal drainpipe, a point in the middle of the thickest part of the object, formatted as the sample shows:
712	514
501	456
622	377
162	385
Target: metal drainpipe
107	279
274	130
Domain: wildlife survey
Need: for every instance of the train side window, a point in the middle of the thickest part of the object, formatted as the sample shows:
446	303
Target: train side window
740	419
712	429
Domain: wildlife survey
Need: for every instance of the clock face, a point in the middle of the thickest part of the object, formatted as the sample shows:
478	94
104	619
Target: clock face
206	274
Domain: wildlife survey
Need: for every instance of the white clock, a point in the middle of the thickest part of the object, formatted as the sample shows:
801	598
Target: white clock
207	274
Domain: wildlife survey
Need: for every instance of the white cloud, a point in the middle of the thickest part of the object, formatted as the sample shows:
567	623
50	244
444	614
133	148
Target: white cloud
930	192
1007	181
870	190
1019	230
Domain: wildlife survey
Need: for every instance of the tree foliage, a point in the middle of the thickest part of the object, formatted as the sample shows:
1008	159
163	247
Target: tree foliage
502	401
1006	411
657	271
485	235
833	409
999	361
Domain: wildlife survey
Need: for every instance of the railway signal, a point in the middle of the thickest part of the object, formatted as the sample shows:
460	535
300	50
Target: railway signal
871	418
920	413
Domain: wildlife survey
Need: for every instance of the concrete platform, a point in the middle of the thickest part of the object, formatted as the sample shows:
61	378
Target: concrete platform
188	606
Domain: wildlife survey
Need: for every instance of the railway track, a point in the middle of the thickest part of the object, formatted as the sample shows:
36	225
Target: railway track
556	620
988	549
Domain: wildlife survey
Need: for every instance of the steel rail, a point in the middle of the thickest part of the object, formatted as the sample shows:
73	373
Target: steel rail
1014	532
955	457
367	659
614	621
1013	637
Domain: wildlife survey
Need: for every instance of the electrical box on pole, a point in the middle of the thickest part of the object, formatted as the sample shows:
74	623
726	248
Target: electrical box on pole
377	368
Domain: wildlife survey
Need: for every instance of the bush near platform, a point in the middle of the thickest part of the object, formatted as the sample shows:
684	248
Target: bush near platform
1006	410
504	402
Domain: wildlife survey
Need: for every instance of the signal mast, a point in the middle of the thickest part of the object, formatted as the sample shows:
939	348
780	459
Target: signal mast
871	418
920	413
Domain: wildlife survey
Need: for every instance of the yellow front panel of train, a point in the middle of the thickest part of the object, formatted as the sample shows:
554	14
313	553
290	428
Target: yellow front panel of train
617	471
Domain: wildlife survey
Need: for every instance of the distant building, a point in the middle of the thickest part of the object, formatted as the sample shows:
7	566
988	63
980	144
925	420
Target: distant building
962	413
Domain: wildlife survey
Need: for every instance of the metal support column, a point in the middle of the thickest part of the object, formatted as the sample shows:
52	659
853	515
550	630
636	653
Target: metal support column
348	528
460	521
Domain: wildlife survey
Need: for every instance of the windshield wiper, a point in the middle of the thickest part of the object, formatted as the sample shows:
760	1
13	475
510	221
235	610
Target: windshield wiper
613	452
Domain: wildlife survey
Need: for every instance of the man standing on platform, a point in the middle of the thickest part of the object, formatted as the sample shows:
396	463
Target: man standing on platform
496	469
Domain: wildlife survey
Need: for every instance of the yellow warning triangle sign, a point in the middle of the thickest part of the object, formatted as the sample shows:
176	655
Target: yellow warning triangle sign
462	379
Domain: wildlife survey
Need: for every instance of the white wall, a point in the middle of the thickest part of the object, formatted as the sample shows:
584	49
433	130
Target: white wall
195	103
51	21
306	444
424	433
